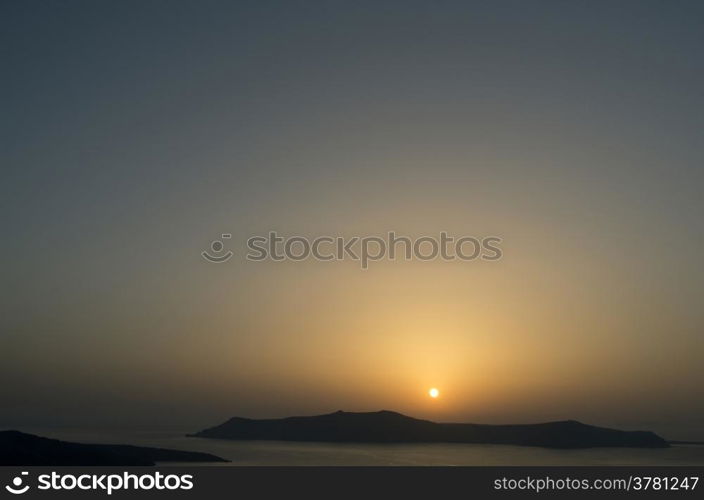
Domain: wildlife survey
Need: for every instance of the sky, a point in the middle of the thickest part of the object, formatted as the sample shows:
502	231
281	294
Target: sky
136	133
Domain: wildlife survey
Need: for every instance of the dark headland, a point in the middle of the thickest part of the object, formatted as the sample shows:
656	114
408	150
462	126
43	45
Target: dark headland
392	427
18	448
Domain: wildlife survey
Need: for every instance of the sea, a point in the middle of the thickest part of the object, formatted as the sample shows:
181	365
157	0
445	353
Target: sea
286	453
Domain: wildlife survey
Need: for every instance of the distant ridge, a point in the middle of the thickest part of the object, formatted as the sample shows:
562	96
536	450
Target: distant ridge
391	427
19	448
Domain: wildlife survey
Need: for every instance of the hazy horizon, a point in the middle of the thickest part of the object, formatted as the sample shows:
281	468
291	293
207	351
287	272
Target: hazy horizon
136	133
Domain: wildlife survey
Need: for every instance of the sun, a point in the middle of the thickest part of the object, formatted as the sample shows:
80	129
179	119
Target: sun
433	393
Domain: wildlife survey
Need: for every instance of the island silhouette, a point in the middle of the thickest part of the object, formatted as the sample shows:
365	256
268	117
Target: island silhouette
392	427
19	448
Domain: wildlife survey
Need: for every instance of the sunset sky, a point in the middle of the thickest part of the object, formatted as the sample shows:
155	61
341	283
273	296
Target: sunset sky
135	133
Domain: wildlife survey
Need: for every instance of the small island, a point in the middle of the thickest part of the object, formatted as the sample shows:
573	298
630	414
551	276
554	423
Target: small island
19	448
391	427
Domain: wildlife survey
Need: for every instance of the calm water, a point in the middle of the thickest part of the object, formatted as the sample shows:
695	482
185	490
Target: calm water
291	453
